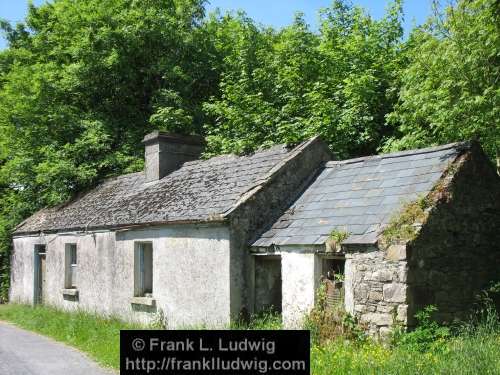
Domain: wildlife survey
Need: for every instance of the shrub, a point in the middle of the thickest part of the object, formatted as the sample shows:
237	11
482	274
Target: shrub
336	238
488	298
328	323
428	333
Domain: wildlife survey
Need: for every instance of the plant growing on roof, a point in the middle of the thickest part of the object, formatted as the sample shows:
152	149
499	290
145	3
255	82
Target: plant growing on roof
405	224
335	239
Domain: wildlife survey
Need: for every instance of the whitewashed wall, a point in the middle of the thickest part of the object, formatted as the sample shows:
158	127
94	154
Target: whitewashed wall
300	274
190	273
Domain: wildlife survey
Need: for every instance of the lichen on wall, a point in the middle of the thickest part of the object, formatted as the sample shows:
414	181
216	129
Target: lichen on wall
376	286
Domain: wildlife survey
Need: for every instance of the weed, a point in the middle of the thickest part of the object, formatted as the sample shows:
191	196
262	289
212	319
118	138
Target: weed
159	320
336	238
328	323
268	319
404	225
427	334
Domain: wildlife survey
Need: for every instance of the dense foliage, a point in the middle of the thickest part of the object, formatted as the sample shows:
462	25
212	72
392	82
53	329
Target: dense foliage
283	87
82	82
451	86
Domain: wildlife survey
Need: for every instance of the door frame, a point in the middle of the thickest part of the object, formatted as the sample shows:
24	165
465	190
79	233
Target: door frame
262	258
39	252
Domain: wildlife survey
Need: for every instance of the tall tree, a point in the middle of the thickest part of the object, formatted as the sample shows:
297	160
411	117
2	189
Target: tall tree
81	83
82	80
289	85
451	87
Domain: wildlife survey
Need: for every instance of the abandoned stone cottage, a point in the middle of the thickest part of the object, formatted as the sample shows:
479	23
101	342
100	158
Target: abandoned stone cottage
204	240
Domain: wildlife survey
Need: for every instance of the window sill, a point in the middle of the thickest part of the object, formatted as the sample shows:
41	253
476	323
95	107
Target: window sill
70	292
145	301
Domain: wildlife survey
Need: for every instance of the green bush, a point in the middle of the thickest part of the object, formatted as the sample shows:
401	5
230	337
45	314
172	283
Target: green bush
428	334
329	323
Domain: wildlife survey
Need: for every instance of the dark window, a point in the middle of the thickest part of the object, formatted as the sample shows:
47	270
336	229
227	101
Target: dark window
143	269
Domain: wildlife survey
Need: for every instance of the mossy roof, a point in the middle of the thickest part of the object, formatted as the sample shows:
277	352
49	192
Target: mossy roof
200	191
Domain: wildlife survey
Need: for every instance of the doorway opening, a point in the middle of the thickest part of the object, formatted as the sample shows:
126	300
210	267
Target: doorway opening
332	279
268	284
40	274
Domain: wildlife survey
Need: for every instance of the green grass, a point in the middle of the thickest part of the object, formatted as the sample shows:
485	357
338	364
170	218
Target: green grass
265	320
96	336
462	355
473	350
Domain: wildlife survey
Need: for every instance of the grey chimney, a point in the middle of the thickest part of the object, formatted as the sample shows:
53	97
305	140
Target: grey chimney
166	152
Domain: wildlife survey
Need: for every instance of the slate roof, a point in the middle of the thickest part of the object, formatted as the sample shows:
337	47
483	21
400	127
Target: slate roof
200	191
359	196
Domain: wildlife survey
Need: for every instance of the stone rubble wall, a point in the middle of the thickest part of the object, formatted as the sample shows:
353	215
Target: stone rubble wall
457	252
455	255
376	287
254	216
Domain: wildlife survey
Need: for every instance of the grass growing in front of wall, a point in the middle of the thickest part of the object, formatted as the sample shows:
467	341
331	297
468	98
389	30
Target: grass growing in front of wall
266	320
470	349
340	347
477	353
96	336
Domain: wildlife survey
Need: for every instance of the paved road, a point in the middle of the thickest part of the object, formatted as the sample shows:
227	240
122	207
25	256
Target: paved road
26	353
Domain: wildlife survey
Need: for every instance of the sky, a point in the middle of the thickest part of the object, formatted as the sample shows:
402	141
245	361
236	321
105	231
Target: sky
276	13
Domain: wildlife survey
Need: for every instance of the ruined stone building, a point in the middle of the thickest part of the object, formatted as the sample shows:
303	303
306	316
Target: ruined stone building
202	241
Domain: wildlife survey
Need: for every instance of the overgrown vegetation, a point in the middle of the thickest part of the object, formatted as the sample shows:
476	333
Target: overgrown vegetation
428	335
404	225
468	348
335	239
329	323
471	347
263	320
474	353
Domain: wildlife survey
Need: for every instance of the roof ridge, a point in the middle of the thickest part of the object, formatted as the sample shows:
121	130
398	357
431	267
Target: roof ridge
457	145
245	196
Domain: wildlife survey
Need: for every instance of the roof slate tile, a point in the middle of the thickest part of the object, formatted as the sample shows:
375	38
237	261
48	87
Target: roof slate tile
361	195
199	191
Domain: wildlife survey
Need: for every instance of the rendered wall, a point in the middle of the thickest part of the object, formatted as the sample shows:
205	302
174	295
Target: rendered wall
190	273
300	275
93	267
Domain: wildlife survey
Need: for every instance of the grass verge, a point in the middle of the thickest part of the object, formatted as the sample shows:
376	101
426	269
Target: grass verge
460	355
475	350
96	336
